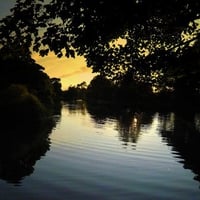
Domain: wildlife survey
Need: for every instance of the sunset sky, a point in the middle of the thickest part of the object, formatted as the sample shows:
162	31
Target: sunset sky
71	71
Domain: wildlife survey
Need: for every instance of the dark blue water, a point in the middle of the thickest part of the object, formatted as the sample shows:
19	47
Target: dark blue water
96	154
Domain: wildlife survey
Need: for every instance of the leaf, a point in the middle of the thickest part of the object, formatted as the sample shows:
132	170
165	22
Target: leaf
44	52
59	55
72	53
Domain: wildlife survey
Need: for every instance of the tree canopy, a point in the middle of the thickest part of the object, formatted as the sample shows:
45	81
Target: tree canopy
156	34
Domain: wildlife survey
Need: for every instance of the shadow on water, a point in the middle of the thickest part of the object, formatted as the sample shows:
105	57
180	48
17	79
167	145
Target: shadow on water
182	132
20	150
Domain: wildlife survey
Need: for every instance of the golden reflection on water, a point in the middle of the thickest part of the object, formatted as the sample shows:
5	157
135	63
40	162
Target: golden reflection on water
126	127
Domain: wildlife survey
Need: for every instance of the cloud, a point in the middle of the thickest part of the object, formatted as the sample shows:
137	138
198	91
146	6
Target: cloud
79	71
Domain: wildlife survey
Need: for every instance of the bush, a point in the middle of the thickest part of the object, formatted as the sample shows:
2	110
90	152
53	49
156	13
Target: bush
20	109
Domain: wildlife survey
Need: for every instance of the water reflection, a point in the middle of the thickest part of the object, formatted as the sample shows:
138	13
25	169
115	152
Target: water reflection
87	153
76	107
129	126
181	131
128	122
19	151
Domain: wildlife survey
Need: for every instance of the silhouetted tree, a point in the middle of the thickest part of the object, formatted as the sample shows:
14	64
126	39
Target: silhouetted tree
99	89
82	85
16	70
76	92
82	89
133	92
156	34
71	93
27	95
57	87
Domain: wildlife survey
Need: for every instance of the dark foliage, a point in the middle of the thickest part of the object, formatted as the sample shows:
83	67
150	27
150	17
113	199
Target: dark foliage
27	95
160	38
75	92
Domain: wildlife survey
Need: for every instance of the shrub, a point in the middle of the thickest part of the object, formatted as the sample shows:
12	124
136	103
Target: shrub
20	109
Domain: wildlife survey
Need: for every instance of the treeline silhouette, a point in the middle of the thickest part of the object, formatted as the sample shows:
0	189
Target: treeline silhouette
135	95
160	46
160	40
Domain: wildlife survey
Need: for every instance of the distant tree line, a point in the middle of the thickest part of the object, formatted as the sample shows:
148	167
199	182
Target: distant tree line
129	93
75	92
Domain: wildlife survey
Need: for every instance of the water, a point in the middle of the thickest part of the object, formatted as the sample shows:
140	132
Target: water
97	153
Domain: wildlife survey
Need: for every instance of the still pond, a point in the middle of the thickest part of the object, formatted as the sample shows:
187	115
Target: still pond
98	153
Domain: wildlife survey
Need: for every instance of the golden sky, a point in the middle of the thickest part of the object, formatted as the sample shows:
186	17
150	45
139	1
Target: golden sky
71	71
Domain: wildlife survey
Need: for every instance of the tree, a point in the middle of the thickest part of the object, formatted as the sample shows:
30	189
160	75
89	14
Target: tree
100	88
57	87
82	85
76	92
24	71
156	33
71	93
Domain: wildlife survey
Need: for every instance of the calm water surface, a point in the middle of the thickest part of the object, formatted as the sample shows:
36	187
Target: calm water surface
97	153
